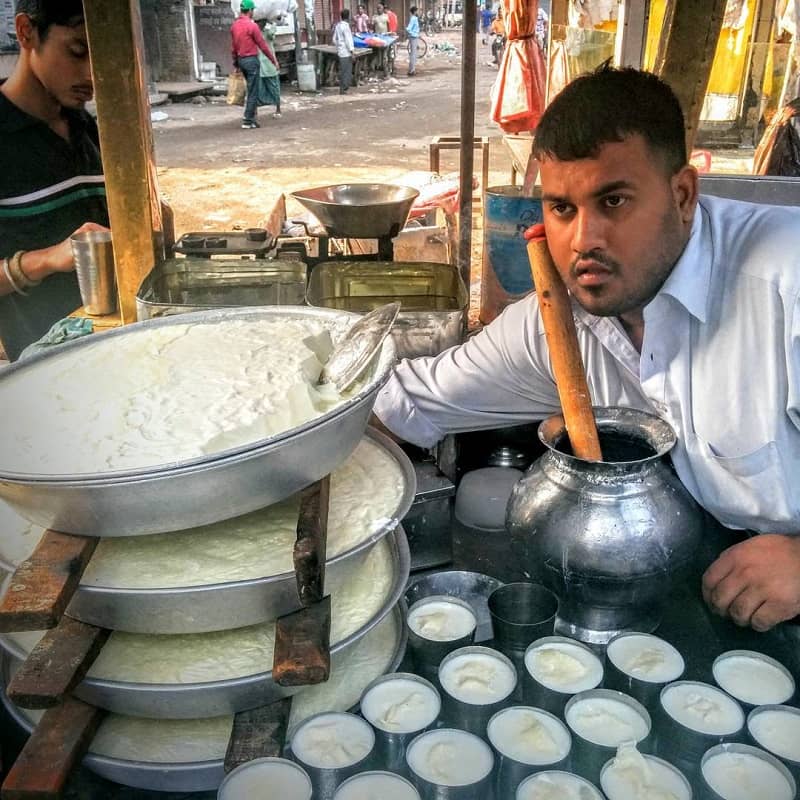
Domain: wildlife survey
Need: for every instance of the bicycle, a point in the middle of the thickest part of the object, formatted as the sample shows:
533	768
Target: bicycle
422	47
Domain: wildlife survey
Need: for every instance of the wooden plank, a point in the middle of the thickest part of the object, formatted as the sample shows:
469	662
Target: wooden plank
42	586
258	733
57	664
311	546
57	744
302	646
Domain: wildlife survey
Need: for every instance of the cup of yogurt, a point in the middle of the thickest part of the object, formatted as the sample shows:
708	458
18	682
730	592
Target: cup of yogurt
449	764
557	785
526	740
331	747
600	720
556	668
399	706
734	771
776	729
753	678
257	778
632	775
476	683
640	665
437	625
377	784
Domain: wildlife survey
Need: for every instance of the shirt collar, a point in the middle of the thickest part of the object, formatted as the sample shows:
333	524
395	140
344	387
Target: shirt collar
13	118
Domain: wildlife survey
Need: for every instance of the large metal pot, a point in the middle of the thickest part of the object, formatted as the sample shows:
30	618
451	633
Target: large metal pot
607	537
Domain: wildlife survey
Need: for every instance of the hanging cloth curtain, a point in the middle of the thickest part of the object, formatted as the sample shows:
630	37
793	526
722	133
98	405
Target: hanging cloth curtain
519	91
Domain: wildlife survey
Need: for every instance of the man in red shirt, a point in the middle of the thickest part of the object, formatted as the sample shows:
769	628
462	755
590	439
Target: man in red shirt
392	19
246	41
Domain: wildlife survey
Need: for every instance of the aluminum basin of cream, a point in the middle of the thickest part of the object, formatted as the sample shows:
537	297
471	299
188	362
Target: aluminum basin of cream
441	620
529	736
645	657
401	705
477	678
702	708
266	777
332	741
375	786
606	720
449	757
563	666
556	785
777	729
741	772
633	776
753	678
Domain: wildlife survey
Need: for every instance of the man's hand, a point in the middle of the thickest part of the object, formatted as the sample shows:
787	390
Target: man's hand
57	258
756	582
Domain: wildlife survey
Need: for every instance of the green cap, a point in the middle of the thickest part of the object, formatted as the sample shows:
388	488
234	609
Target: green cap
248	5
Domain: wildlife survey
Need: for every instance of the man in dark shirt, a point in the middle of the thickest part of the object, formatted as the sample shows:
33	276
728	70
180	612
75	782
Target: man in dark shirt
52	178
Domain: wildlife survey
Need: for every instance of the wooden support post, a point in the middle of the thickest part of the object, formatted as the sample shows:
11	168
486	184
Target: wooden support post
258	733
302	646
114	31
756	69
311	546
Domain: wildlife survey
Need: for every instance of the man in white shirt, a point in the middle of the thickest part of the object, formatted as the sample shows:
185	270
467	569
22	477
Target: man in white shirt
343	39
685	306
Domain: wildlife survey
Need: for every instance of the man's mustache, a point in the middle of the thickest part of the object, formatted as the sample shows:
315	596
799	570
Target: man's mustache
596	256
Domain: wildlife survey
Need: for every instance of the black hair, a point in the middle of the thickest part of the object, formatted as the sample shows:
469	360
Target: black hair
345	13
609	105
412	10
46	13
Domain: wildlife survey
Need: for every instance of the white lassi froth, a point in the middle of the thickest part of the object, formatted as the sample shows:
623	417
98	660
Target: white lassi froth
744	776
441	621
753	680
450	757
333	741
633	776
477	678
646	657
702	708
529	735
274	777
557	786
777	730
606	721
564	667
401	705
376	786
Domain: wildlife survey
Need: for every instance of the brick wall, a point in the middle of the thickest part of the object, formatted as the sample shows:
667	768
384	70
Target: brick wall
166	25
213	25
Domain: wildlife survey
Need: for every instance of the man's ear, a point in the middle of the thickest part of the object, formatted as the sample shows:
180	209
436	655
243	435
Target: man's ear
685	191
27	35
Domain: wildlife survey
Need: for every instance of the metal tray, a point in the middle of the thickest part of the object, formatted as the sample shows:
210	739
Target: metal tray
434	300
186	494
215	607
218	698
200	776
236	243
181	285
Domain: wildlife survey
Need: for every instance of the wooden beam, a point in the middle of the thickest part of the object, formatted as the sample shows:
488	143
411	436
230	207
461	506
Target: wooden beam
114	30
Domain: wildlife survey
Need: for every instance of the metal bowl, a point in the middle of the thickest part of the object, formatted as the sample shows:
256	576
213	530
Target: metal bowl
187	494
359	210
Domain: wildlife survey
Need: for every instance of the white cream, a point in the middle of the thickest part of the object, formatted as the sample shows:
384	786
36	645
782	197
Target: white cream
376	786
401	705
564	667
607	722
450	757
164	395
556	786
365	493
276	778
529	736
441	621
477	678
777	730
744	776
646	657
703	708
333	741
633	776
753	680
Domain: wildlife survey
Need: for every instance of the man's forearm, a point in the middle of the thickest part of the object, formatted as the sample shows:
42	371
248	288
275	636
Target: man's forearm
34	265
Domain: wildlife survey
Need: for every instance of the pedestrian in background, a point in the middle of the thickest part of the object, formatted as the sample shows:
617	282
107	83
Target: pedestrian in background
343	39
362	20
380	22
487	15
269	86
246	41
392	19
412	29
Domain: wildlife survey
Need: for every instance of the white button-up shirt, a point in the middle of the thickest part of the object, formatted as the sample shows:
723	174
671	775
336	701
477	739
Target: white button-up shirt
720	362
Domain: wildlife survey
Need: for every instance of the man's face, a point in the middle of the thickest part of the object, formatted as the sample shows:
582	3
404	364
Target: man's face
61	64
616	224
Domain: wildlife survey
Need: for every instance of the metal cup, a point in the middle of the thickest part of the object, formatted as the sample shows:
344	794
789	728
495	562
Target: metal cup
521	613
427	654
581	787
239	782
472	717
359	785
510	772
791	764
671	767
390	746
94	265
706	790
748	706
